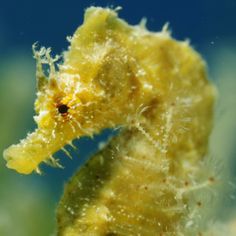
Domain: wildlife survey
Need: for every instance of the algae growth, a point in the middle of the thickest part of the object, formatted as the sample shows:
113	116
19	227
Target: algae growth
151	179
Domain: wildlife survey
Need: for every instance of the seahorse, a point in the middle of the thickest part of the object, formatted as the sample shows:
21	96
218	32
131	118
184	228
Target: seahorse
151	179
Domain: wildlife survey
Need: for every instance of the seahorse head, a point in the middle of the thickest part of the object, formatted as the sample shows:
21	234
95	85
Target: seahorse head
56	109
82	93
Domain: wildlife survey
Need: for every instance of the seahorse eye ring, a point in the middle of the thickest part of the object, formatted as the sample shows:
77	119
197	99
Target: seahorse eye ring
62	108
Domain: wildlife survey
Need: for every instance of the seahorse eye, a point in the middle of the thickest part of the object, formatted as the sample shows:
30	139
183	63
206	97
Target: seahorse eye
62	108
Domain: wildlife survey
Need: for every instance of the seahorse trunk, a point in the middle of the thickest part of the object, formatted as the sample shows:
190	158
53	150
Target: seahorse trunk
132	187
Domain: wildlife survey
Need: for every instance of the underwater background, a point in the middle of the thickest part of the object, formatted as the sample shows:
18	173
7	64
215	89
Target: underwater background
28	203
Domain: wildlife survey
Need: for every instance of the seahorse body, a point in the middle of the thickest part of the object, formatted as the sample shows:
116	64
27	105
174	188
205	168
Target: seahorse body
148	179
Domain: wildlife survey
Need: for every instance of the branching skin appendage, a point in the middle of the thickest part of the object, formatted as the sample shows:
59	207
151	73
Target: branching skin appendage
151	179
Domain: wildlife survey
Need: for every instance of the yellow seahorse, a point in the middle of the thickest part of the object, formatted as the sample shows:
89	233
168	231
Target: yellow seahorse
151	179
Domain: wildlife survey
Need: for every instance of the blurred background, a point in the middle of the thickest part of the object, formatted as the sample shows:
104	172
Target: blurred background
28	203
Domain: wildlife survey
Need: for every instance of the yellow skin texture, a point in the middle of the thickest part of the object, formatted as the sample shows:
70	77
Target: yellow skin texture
147	180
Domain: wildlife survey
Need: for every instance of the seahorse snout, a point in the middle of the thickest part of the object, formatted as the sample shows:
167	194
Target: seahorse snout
36	148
